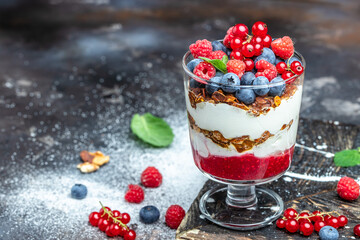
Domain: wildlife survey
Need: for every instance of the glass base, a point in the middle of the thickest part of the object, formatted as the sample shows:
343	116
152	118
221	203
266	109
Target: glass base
265	208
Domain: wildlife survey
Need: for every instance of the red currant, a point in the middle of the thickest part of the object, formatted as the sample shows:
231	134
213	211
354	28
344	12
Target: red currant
258	49
108	231
280	223
357	230
236	42
256	39
342	220
249	64
123	231
281	67
131	235
267	41
116	214
316	218
125	218
247	50
326	217
306	228
259	29
287	75
240	30
290	213
236	54
103	224
318	225
115	229
305	217
333	221
298	70
94	218
102	212
292	225
294	64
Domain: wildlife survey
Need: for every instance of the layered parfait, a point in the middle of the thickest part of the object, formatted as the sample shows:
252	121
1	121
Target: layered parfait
243	98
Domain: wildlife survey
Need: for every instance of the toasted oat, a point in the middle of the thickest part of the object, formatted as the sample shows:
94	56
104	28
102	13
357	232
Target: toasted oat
87	167
97	158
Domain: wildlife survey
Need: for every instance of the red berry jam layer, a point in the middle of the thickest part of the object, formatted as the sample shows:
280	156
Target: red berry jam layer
244	167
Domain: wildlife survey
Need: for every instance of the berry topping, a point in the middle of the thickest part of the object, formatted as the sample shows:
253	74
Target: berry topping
193	63
283	47
267	41
247	79
130	235
218	46
292	225
266	69
261	81
278	89
236	42
217	55
247	50
149	214
240	30
151	177
236	66
298	70
357	230
135	194
227	40
174	215
259	29
205	70
249	64
236	54
318	225
230	82
281	67
268	54
290	213
195	84
280	223
287	75
94	218
246	96
202	48
257	49
213	86
78	191
256	39
348	189
306	228
328	233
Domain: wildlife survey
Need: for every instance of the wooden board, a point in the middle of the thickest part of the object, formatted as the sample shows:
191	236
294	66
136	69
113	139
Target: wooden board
298	193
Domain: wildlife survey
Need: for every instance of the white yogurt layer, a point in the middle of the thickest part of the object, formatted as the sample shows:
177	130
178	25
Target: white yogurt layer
234	122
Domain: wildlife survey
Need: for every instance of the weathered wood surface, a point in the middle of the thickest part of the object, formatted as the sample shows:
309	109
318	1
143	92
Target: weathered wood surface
298	193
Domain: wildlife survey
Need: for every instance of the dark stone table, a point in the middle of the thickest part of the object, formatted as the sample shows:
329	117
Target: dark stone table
74	72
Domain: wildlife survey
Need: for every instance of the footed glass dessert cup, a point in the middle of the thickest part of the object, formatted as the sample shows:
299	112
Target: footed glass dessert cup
242	145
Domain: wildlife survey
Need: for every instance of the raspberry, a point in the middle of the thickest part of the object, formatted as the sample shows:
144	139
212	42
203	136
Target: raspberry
151	177
217	55
174	215
265	69
229	36
348	189
135	194
283	47
205	70
202	48
236	66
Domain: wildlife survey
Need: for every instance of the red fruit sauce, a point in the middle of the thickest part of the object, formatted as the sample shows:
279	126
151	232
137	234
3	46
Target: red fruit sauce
244	167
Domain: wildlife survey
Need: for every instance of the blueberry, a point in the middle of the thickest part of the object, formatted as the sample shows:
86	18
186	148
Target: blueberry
149	214
195	84
277	60
230	82
292	59
214	85
328	233
216	45
268	54
78	191
228	52
219	74
277	90
193	63
247	79
261	81
246	96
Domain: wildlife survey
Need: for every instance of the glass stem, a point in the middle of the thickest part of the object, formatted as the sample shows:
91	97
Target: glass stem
241	196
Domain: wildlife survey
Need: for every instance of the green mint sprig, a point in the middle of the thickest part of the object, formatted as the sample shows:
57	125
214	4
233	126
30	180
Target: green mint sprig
347	158
217	63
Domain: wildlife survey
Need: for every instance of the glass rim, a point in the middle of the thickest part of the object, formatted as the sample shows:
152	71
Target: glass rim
205	81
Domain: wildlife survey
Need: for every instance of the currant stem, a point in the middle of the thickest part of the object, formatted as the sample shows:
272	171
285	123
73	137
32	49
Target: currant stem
110	215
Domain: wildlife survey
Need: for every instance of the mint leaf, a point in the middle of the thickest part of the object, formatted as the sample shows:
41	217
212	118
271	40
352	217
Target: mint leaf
225	59
152	130
347	158
217	63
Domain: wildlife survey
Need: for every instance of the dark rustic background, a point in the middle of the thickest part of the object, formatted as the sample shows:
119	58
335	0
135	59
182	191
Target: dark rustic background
74	71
